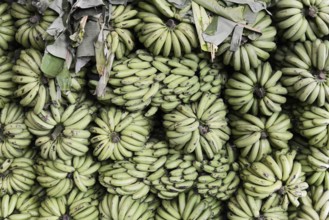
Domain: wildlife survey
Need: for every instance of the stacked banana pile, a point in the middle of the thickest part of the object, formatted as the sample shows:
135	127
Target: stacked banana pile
144	110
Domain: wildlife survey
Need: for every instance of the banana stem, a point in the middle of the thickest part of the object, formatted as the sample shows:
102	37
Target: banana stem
57	131
115	137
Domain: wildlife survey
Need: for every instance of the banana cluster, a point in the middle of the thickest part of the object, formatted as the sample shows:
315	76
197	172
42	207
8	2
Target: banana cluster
17	174
314	206
313	124
76	206
278	174
7	27
302	20
178	175
32	88
117	134
123	178
256	136
62	133
244	206
135	81
162	31
315	165
252	50
7	86
113	207
180	84
31	25
218	177
189	205
60	176
152	156
212	76
304	71
256	91
20	206
120	40
200	128
14	134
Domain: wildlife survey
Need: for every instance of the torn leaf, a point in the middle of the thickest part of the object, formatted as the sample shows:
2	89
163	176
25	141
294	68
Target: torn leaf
86	48
77	37
41	5
100	55
80	63
102	83
56	28
87	3
179	3
60	47
232	13
120	2
51	66
219	29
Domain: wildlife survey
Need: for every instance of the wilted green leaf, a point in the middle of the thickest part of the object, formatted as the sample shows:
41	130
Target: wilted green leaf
64	79
51	66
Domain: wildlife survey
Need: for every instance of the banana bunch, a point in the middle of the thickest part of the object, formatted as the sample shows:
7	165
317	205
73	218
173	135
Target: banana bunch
278	174
252	50
31	25
302	20
178	175
17	174
113	207
305	72
314	206
256	136
117	134
200	128
76	206
7	27
162	31
212	76
313	124
180	81
134	82
256	91
20	206
123	178
315	165
32	84
244	206
120	40
62	133
152	156
7	86
218	177
189	205
60	176
14	134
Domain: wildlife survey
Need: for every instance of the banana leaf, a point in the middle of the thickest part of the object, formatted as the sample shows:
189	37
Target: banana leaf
51	65
232	13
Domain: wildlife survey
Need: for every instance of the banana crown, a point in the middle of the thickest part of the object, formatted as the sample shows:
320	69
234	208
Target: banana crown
123	178
113	206
117	133
76	205
189	205
249	207
256	91
279	174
